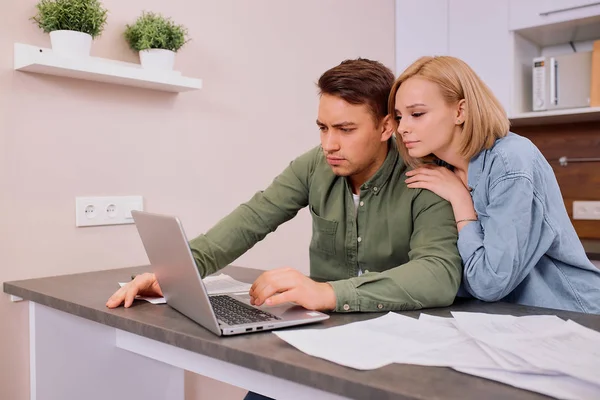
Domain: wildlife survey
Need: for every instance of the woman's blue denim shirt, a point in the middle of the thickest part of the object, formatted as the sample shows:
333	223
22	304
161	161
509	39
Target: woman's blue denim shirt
523	249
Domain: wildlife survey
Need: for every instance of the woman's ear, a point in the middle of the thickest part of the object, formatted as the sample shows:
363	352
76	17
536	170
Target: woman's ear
388	127
461	112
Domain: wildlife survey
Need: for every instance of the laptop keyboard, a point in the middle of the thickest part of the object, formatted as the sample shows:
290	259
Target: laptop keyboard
234	312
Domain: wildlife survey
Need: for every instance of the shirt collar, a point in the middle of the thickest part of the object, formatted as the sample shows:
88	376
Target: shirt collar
384	172
476	168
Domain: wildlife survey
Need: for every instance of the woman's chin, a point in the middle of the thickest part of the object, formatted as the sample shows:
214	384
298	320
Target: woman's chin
418	153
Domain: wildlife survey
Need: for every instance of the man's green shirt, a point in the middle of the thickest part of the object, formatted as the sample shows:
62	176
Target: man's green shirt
402	240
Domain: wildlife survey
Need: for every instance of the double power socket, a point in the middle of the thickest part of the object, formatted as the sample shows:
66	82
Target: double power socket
589	210
110	210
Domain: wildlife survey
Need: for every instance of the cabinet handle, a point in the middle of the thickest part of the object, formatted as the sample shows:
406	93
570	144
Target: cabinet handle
553	81
564	161
544	14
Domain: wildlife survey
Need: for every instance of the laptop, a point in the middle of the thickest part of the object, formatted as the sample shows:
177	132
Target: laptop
172	262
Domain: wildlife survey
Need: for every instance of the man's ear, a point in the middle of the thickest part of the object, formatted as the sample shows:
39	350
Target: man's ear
388	127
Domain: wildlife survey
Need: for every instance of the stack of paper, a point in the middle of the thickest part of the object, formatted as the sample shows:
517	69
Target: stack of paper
539	353
217	284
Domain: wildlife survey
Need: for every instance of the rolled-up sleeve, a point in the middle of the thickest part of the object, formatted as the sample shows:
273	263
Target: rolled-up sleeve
500	249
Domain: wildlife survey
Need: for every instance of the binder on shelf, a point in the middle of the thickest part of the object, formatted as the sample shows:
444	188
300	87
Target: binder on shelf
595	80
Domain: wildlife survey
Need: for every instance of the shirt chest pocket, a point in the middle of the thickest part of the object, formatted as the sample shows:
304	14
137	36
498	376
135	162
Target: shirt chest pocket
323	234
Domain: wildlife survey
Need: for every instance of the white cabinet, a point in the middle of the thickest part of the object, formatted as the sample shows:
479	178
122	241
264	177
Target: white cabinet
421	30
478	34
473	30
499	39
532	13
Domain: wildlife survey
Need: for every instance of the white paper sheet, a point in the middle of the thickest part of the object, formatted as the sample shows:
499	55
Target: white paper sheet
558	386
546	342
539	353
392	338
217	284
502	359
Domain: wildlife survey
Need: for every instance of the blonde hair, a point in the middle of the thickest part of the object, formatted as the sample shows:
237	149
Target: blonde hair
485	120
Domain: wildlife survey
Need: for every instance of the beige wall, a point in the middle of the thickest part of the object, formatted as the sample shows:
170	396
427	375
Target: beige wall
62	138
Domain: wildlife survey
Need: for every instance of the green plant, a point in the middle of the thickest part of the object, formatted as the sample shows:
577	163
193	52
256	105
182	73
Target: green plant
153	31
87	16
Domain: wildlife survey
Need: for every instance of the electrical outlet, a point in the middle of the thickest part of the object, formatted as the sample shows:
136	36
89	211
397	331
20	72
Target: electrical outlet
113	210
589	210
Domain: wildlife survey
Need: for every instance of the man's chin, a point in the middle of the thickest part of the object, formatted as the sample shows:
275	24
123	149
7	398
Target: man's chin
339	171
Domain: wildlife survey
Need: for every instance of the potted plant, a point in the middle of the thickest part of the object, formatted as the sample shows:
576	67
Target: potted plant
72	24
156	39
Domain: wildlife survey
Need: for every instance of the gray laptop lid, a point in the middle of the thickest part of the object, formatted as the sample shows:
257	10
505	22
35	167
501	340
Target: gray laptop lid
168	251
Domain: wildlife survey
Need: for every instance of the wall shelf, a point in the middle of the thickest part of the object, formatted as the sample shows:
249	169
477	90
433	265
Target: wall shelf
40	60
578	30
562	116
548	39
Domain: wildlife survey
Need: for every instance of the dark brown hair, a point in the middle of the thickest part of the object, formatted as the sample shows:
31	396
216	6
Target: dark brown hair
360	81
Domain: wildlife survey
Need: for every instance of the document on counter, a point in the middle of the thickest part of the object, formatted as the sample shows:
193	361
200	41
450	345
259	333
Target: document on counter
504	360
543	341
392	338
556	386
217	284
544	354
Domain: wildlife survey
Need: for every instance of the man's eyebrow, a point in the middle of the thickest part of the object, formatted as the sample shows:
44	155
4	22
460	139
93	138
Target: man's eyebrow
343	124
339	124
415	105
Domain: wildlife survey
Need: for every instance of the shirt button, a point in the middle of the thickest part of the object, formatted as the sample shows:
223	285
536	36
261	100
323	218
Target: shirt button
375	189
362	203
346	307
366	271
380	306
359	239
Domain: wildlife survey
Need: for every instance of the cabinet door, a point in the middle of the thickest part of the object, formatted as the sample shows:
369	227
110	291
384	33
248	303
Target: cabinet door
421	30
530	13
478	34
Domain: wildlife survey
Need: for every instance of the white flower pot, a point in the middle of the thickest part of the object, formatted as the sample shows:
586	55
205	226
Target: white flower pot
71	43
160	59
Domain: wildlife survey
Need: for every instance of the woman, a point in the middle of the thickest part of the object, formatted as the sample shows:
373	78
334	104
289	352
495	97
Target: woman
515	237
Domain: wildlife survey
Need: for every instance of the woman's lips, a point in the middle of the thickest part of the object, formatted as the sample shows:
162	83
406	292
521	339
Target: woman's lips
410	143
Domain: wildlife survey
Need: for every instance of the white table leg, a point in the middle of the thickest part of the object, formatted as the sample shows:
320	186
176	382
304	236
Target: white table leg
74	358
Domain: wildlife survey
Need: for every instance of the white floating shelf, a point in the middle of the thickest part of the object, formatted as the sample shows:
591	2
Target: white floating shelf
583	114
44	61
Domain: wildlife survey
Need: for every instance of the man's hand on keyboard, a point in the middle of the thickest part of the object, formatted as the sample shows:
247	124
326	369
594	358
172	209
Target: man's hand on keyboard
288	285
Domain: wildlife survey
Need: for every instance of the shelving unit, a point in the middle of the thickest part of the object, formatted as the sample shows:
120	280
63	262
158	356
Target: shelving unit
556	116
548	40
40	60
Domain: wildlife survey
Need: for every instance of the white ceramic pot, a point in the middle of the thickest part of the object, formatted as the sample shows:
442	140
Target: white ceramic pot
160	59
71	43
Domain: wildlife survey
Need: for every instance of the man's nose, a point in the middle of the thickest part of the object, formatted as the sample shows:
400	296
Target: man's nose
330	142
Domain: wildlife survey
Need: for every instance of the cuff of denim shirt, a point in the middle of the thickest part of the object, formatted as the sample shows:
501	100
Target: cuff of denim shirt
470	238
346	296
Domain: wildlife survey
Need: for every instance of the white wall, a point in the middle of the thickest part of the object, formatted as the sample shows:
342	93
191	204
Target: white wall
196	155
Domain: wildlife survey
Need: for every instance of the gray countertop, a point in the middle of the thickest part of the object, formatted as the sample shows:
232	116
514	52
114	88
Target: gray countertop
85	295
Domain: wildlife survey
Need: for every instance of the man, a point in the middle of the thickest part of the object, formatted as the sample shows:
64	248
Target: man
376	244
